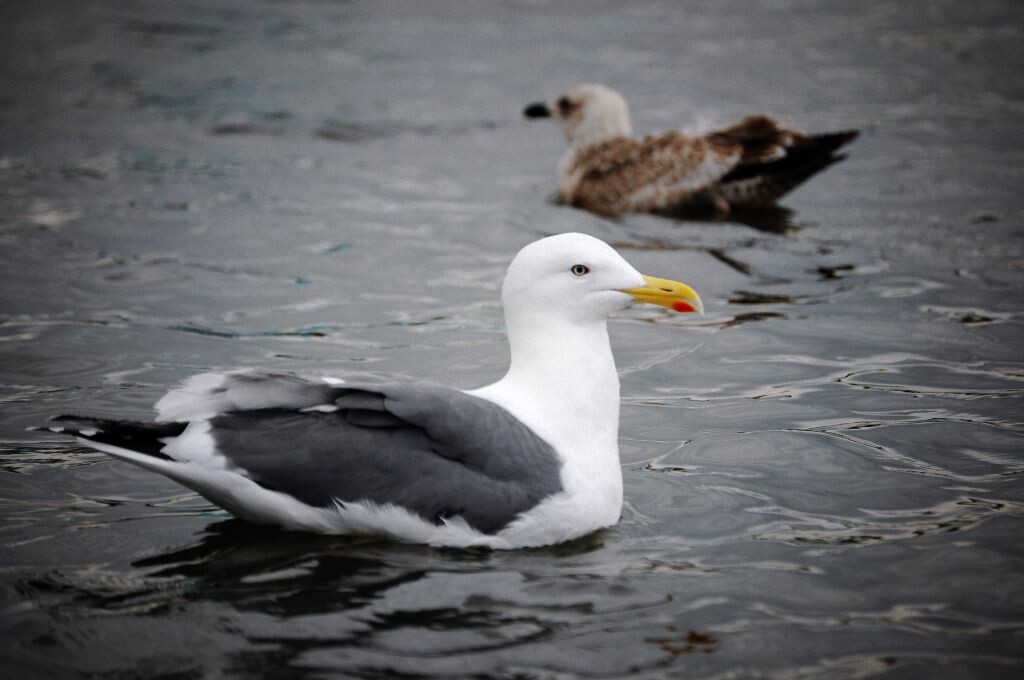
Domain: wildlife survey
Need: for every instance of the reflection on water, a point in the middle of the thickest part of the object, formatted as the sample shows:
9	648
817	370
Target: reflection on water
823	473
776	219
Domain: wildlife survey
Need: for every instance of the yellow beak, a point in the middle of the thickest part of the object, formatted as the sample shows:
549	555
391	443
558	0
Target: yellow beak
668	293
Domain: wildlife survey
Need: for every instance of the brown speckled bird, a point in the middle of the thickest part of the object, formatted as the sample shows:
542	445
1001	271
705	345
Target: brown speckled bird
608	171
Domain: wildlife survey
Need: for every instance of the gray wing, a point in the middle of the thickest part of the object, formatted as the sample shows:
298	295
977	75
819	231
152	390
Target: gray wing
432	450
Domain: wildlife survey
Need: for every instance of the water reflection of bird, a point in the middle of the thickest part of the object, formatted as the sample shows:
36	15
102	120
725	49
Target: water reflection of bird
529	460
608	171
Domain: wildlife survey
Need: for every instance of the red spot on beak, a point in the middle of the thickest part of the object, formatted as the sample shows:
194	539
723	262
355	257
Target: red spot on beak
683	307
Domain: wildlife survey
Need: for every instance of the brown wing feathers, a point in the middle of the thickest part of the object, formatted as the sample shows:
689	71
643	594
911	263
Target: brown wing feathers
776	160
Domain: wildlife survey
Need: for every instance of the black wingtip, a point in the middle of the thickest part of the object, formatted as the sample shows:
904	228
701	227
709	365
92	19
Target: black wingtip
834	140
537	110
72	418
77	426
142	437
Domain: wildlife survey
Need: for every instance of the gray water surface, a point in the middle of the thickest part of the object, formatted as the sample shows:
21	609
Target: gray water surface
823	473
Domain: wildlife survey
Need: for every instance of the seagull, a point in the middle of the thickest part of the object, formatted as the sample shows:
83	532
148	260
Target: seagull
529	460
608	171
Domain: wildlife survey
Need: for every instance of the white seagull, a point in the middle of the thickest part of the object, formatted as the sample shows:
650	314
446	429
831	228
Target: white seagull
608	171
530	460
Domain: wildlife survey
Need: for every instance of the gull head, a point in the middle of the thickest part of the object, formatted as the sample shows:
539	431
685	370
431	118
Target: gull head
589	114
579	278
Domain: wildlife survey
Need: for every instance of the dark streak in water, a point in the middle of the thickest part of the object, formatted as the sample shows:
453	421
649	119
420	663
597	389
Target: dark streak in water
247	129
746	297
750	317
836	272
661	245
721	256
354	132
173	29
310	332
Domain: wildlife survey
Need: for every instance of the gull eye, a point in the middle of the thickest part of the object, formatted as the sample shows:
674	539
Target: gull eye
565	106
580	269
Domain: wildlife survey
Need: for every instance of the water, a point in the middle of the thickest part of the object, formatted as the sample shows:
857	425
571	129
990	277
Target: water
823	473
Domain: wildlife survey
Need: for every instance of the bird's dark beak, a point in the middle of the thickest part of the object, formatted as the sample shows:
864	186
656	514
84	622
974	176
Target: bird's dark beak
537	110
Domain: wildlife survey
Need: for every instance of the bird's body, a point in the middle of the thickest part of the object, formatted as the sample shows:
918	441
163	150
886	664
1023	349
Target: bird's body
529	460
608	171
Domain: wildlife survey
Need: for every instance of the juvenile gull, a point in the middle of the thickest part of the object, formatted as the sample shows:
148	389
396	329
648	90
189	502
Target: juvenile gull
608	171
530	460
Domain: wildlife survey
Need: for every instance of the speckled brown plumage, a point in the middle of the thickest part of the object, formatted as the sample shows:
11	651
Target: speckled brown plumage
608	171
